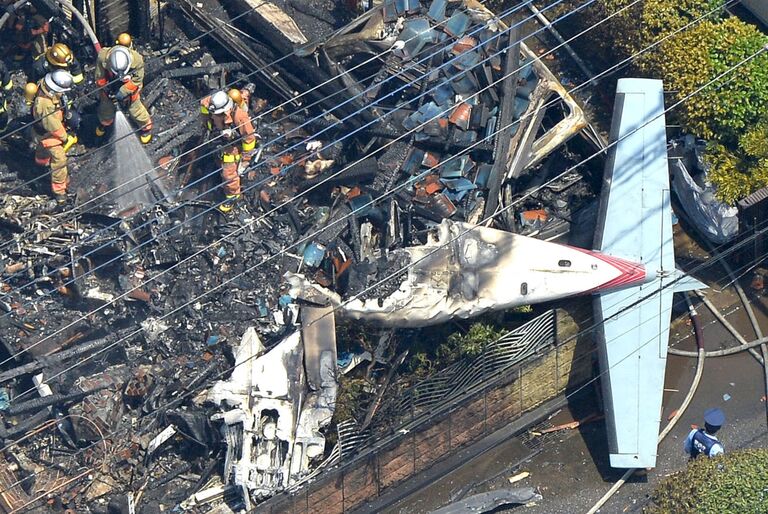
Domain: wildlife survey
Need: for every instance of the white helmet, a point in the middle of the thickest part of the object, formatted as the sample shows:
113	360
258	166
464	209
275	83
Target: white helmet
220	102
58	81
120	61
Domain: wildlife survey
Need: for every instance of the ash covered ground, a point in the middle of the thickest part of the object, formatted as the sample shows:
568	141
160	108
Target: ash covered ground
124	309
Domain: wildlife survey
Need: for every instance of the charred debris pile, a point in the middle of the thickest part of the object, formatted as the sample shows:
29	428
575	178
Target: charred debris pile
165	354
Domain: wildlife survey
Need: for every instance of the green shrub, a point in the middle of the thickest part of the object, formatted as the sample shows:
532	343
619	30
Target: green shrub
350	393
732	112
735	483
468	345
456	346
638	26
730	106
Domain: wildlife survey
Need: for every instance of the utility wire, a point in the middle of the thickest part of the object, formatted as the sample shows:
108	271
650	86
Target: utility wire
157	58
230	234
112	226
510	11
310	236
299	242
284	135
707	263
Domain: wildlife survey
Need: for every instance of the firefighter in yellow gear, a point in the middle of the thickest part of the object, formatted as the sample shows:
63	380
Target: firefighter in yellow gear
120	74
57	56
50	132
6	85
224	120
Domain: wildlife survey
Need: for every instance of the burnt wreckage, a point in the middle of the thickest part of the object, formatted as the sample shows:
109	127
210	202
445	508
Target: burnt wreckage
157	352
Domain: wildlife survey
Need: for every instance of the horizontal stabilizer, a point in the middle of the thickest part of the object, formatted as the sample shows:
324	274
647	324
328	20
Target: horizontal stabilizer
687	283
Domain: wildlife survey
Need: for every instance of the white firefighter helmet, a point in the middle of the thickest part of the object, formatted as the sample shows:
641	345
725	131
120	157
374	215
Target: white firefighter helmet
120	61
220	102
58	81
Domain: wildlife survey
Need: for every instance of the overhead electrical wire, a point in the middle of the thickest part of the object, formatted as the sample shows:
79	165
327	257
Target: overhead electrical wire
708	263
295	52
156	58
199	215
216	242
308	237
319	117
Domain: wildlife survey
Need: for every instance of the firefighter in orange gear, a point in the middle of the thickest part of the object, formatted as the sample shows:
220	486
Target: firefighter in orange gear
224	121
50	131
120	72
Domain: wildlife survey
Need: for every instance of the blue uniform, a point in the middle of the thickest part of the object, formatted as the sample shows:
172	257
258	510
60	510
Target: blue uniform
699	442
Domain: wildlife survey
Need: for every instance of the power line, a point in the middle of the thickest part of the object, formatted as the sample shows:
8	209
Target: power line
338	123
324	228
307	238
510	11
234	232
596	154
158	58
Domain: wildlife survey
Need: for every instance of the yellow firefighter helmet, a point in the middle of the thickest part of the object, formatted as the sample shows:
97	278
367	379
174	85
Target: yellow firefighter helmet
59	55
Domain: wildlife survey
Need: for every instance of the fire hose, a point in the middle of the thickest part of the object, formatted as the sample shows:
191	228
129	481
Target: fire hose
67	5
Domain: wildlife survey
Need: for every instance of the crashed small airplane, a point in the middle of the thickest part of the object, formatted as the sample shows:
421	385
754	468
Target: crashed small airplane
466	270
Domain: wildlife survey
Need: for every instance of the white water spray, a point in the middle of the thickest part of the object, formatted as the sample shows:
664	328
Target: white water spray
133	171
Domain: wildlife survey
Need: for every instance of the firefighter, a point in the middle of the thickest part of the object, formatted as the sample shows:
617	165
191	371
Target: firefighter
224	120
30	33
120	74
50	130
57	56
125	40
6	85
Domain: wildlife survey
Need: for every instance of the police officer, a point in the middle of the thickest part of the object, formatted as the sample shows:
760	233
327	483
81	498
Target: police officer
702	441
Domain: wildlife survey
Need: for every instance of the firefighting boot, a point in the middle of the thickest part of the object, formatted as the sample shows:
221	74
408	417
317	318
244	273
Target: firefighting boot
229	203
145	136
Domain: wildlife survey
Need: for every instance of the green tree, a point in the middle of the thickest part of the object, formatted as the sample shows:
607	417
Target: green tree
732	112
730	106
735	483
737	174
638	26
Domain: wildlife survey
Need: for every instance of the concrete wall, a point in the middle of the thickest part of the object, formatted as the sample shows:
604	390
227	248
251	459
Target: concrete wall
545	376
759	8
